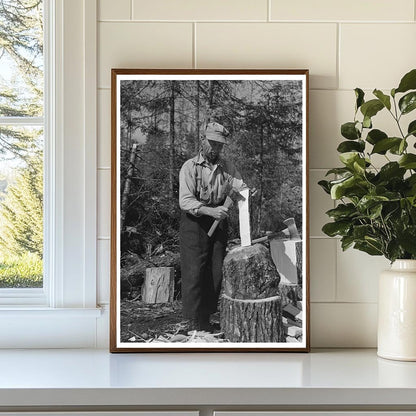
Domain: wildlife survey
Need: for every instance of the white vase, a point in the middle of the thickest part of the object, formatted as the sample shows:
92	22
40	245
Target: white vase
397	312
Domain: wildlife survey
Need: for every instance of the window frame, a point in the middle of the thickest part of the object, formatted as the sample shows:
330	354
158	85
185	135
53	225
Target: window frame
68	298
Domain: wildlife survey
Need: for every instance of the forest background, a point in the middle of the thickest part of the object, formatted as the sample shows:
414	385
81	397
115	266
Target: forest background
163	122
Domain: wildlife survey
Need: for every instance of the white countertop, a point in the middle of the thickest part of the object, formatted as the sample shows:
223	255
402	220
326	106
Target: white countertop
96	377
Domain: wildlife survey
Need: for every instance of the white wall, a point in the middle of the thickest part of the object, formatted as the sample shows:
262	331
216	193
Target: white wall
345	44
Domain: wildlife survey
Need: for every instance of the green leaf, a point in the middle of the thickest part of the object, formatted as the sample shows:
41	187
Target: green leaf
375	211
393	92
411	130
385	99
383	145
393	250
353	187
325	186
349	131
336	228
371	108
408	102
361	231
342	211
349	146
398	149
346	242
359	94
391	170
407	240
368	248
367	122
338	171
408	161
369	201
349	158
375	136
408	82
359	165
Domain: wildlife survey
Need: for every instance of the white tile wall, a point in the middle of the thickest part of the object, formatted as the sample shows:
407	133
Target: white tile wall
376	55
142	45
200	10
357	275
323	269
345	44
104	128
114	10
104	202
370	10
260	45
344	325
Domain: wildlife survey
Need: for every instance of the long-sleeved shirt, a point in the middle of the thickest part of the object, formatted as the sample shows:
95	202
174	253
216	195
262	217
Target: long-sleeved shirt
211	187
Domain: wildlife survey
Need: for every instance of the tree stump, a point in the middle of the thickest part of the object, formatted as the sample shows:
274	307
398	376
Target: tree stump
251	303
158	285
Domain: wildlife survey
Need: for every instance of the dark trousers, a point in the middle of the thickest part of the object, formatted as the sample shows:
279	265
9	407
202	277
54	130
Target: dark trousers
201	264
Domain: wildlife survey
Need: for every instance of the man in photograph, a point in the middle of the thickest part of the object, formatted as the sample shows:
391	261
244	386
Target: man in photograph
205	181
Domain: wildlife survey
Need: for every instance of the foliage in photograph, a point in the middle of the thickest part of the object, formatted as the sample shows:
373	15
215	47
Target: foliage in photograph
161	125
376	201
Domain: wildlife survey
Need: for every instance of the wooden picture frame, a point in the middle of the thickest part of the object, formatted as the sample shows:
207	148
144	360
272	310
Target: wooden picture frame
165	176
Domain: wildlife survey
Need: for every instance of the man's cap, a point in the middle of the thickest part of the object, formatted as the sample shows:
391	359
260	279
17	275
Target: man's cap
217	132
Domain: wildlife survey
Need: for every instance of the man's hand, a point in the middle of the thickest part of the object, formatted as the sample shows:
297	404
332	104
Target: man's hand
218	213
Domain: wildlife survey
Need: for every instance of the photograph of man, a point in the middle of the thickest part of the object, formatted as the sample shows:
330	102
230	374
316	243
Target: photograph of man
205	181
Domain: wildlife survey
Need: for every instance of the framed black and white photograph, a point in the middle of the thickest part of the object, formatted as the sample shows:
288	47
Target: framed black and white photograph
209	212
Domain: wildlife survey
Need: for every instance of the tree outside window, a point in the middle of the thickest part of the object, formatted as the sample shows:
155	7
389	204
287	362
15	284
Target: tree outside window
21	143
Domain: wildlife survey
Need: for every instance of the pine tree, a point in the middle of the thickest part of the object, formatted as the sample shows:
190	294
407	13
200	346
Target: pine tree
21	80
21	95
21	212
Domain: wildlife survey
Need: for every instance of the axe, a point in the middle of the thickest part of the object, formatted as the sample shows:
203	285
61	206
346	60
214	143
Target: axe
232	197
290	231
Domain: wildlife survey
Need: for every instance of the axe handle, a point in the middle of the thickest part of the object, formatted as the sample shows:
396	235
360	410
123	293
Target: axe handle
227	204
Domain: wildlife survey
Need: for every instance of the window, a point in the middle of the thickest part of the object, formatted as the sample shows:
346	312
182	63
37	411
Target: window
63	313
22	128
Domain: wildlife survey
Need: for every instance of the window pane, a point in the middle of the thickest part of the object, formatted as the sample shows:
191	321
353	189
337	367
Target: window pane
21	58
21	206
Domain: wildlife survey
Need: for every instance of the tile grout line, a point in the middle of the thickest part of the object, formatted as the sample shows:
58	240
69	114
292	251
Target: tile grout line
307	22
344	303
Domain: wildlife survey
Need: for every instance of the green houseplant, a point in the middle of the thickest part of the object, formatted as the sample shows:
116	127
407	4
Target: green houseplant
376	212
376	209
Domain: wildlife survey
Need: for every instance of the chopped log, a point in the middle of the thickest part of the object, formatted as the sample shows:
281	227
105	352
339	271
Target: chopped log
258	320
158	285
287	256
251	302
291	312
249	273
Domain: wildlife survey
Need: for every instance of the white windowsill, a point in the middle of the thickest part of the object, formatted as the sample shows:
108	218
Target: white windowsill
38	311
322	378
